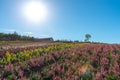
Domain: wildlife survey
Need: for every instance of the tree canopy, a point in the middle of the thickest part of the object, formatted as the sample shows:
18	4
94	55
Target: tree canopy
14	36
87	37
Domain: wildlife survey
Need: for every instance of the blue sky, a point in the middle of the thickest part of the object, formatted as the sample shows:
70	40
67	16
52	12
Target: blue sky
68	19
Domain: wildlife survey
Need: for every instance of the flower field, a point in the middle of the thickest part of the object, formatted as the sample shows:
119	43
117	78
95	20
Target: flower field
64	61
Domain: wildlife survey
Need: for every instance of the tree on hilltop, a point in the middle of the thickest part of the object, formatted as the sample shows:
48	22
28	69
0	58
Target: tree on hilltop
87	37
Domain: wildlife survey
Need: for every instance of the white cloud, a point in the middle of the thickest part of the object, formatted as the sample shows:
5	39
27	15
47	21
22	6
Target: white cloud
29	33
9	30
44	36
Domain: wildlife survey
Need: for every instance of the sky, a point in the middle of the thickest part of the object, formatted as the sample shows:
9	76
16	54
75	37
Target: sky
66	19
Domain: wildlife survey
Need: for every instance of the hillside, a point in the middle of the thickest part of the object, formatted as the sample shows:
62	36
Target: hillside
62	61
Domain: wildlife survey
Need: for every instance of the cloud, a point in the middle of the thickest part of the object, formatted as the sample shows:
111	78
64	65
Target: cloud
9	30
29	33
44	36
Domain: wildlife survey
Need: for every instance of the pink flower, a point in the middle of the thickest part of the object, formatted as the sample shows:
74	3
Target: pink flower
21	73
17	68
9	67
58	68
63	70
98	74
105	60
4	79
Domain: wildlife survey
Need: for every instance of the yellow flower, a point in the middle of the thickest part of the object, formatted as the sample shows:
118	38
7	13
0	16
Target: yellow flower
84	68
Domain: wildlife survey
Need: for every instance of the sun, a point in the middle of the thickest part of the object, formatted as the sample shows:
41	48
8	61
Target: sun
35	11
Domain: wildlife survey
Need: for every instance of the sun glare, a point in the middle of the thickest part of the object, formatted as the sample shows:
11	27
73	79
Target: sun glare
35	11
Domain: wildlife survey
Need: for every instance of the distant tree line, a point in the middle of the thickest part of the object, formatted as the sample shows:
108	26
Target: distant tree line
87	39
14	37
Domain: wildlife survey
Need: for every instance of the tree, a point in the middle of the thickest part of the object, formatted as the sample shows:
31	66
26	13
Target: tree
87	37
14	37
